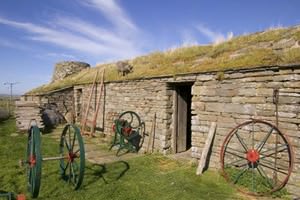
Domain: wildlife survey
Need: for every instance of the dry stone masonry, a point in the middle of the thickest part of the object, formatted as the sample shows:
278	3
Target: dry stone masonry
227	98
67	68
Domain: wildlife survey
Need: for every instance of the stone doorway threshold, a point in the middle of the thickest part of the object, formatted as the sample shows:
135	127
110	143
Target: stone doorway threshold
185	156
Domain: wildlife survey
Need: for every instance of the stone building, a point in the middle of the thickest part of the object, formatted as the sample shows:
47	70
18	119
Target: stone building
189	88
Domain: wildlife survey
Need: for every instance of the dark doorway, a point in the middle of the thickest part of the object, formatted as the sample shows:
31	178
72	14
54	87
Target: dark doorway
183	133
78	103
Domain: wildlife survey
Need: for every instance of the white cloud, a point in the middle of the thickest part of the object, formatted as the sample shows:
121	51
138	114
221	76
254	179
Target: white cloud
114	13
56	56
82	36
188	38
13	45
215	37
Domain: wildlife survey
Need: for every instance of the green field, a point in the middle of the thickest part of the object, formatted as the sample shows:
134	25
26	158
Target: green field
148	177
5	103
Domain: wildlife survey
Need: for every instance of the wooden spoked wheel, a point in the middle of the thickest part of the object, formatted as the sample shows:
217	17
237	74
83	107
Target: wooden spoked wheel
72	152
256	157
34	161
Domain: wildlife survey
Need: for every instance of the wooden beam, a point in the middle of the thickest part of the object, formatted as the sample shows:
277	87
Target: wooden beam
208	143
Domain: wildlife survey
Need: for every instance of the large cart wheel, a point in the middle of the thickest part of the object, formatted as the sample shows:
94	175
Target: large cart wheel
34	160
256	157
132	118
72	152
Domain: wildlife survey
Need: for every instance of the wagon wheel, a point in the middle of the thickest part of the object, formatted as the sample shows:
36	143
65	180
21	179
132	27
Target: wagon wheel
34	161
132	118
253	161
72	149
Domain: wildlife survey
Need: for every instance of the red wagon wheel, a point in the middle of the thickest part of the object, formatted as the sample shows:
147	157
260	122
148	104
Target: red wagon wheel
256	157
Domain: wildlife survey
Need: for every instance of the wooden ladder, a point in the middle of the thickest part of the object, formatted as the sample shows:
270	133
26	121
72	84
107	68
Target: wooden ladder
88	126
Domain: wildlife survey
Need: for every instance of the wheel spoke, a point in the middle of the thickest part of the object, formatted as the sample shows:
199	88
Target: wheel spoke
75	152
278	165
262	172
240	174
234	154
64	168
253	177
273	168
73	143
69	133
263	142
73	175
278	151
67	145
252	137
236	161
241	141
75	165
70	172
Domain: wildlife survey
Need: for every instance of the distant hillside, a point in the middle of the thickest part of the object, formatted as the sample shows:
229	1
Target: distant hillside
268	48
8	96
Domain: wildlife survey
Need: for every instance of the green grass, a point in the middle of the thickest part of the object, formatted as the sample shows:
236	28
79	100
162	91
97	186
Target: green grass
254	183
147	177
249	51
5	102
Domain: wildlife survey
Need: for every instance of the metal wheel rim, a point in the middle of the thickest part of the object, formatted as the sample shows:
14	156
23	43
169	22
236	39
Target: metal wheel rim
34	170
285	147
133	117
71	144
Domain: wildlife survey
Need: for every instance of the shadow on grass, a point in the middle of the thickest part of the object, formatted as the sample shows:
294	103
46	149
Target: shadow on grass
113	171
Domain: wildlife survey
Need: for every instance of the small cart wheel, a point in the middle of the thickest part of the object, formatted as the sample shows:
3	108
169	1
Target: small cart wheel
34	161
72	150
256	157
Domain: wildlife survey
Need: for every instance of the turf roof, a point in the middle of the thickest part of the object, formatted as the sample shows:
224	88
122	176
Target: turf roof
273	47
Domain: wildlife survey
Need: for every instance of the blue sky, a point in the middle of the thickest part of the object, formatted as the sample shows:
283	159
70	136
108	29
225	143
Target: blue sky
35	34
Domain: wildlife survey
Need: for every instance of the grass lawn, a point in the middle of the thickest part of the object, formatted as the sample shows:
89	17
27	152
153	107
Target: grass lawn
146	177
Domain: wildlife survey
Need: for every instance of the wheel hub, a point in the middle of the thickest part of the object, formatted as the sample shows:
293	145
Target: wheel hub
32	161
71	156
252	155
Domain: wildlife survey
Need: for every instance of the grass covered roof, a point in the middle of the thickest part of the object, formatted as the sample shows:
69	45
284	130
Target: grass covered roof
278	46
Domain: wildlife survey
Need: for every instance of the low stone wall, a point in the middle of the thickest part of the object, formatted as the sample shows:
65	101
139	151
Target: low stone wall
31	107
28	109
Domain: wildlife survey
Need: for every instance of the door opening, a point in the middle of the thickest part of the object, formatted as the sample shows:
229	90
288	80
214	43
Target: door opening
183	117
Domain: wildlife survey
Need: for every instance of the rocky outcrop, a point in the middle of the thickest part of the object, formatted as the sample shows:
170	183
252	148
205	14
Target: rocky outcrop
67	68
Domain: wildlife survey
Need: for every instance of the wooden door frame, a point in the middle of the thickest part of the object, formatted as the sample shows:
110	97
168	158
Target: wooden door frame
175	112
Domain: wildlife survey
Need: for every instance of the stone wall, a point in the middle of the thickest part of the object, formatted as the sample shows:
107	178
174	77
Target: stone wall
240	96
63	99
228	98
145	97
28	111
67	68
31	107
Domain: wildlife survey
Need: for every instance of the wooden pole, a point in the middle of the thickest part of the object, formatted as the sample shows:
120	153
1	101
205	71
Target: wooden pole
153	134
88	105
206	148
98	105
